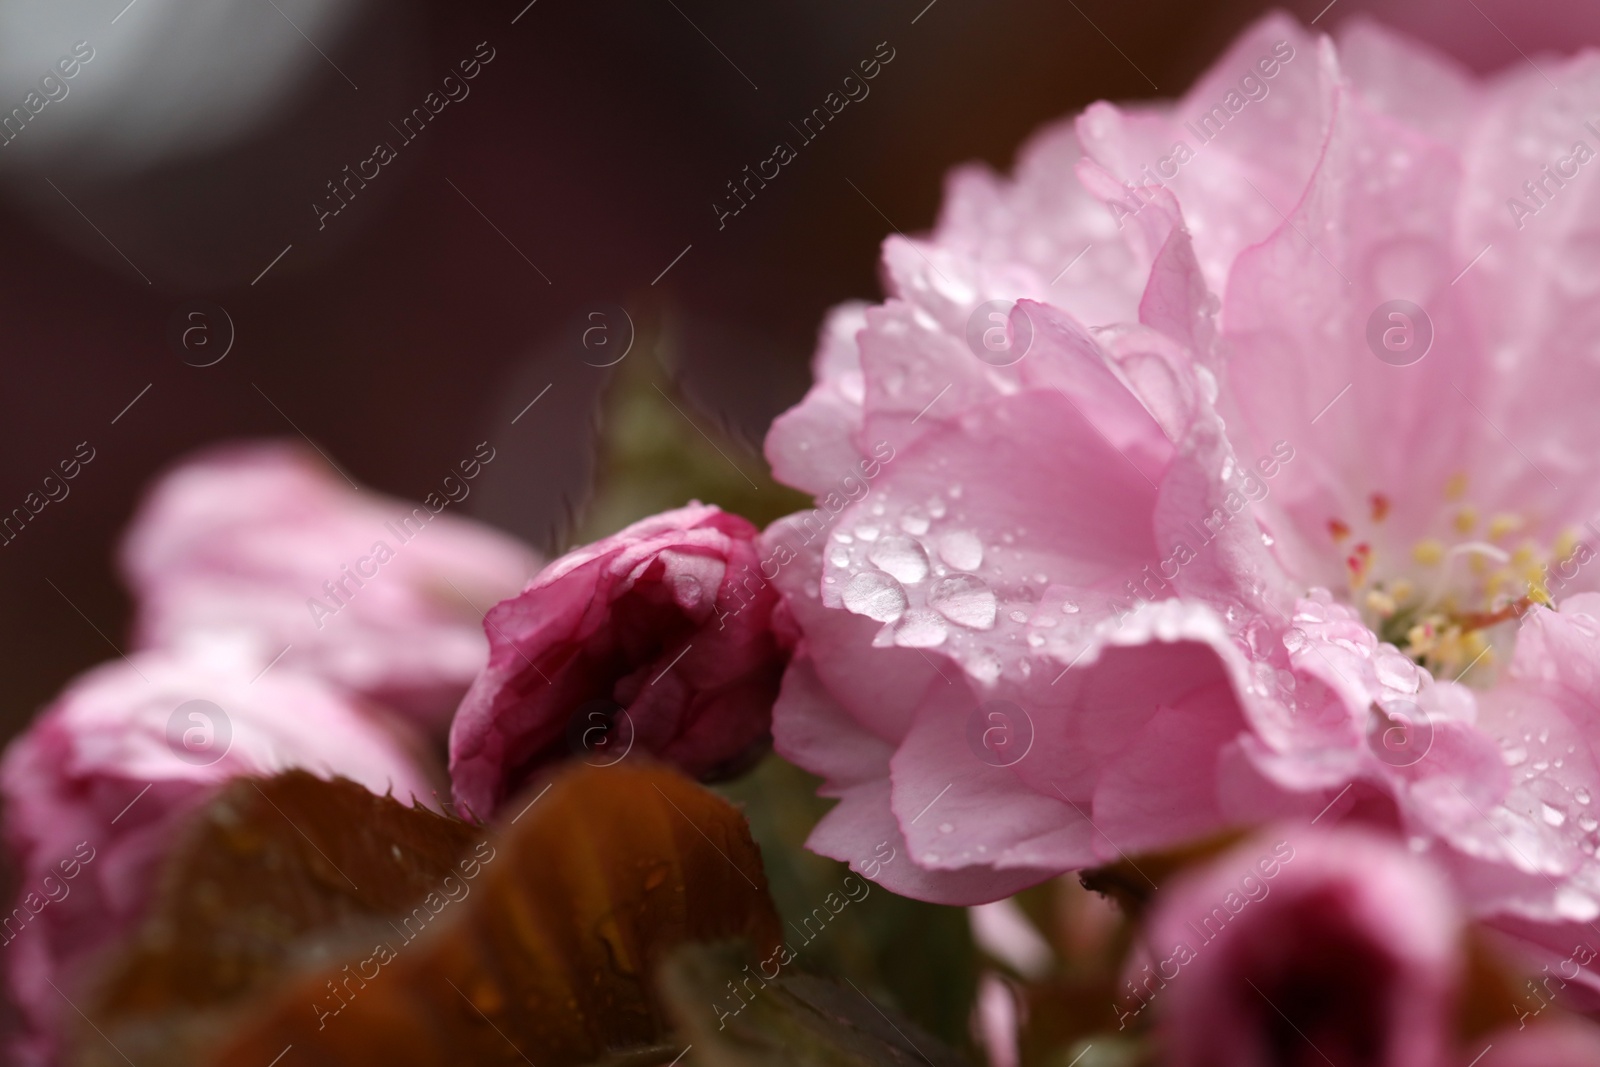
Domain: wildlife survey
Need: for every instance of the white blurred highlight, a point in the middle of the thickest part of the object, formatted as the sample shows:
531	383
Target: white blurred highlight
169	78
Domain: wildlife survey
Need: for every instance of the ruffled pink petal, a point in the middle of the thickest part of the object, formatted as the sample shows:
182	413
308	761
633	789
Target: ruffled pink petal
98	780
265	543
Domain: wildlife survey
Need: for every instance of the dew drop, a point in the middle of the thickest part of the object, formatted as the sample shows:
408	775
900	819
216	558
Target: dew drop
961	549
1582	796
1553	815
687	590
914	522
965	600
839	558
1396	672
900	557
875	595
920	629
867	533
1588	823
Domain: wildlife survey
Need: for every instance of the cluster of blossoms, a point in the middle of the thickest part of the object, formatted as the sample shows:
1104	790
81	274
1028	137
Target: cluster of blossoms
1167	534
241	667
1195	540
230	675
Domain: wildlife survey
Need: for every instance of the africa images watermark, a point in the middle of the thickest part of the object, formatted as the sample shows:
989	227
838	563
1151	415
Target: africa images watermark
832	905
452	890
1253	87
384	152
810	128
53	88
56	889
55	490
813	524
1251	490
338	590
1253	888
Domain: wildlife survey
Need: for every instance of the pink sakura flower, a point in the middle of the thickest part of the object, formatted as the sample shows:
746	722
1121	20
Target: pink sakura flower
1303	946
1307	945
267	543
97	787
658	637
1240	464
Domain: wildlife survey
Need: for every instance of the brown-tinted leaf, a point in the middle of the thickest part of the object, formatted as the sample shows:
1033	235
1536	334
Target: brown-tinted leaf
733	1018
264	866
551	957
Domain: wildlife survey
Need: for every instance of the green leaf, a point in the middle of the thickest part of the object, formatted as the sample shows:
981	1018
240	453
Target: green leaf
658	452
917	957
792	1020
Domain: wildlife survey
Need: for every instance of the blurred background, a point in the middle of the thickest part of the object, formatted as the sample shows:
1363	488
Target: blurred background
200	237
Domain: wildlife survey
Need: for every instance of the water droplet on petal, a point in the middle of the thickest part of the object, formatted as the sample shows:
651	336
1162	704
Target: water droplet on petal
867	533
914	522
1396	671
1573	903
962	550
920	629
687	590
1553	815
875	595
965	600
900	557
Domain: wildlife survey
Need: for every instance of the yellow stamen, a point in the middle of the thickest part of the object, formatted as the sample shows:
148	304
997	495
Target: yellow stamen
1428	552
1503	526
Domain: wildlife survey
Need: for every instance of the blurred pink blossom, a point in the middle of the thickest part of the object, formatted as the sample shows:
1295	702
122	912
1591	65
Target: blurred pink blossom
1340	947
658	637
266	542
1244	463
98	786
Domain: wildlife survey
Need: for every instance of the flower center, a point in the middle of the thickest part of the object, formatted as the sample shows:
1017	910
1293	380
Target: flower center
1444	600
